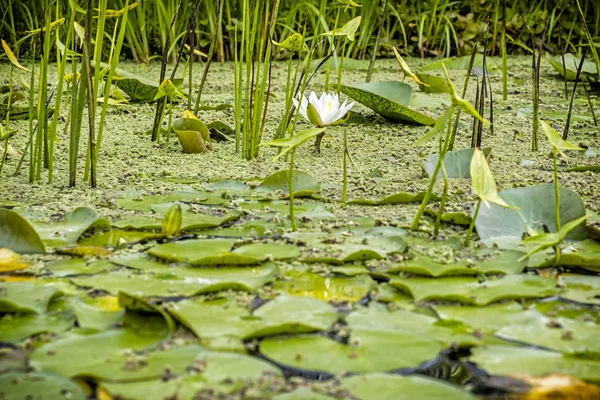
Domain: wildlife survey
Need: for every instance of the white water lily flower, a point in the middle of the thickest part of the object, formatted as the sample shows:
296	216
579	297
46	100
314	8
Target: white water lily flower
323	111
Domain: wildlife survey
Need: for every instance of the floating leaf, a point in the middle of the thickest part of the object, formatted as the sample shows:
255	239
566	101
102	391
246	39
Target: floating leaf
472	291
17	234
571	63
24	297
193	135
304	185
10	261
581	288
536	210
39	386
457	163
388	99
74	224
397	198
144	203
546	240
380	386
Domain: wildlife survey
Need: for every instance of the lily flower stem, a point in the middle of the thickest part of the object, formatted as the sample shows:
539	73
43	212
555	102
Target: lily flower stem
291	190
345	166
472	224
438	218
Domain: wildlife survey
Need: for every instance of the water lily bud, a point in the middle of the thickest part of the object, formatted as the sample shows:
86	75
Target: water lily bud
172	221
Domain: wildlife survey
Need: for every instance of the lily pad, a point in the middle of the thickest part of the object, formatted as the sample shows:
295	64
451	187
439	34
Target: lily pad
25	297
145	202
193	135
219	252
38	386
14	328
380	386
437	84
180	281
571	64
397	198
581	288
472	291
17	234
304	185
536	209
74	224
388	99
457	163
504	360
77	266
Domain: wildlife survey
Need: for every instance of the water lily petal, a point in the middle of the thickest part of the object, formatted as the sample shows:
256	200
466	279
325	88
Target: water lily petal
302	108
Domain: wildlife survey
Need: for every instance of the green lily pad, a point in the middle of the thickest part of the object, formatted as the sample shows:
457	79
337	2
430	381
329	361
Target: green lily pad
190	220
145	202
74	224
388	99
77	266
91	316
457	163
218	252
180	281
302	394
503	360
138	88
114	238
581	288
14	328
304	184
25	297
94	355
396	198
571	64
193	135
141	261
536	209
285	314
380	386
471	291
38	386
17	234
486	261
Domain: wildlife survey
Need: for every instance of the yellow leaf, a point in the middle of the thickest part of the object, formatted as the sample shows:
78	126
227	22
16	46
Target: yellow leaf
483	181
10	261
189	114
556	140
406	69
196	51
460	102
118	13
348	30
12	58
53	26
294	43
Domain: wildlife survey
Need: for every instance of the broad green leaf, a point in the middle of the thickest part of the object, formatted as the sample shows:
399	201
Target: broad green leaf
348	30
406	69
294	43
12	58
39	386
145	202
193	135
379	386
303	184
15	328
457	163
388	99
74	224
536	211
581	288
556	140
17	234
483	181
25	297
292	142
571	64
435	84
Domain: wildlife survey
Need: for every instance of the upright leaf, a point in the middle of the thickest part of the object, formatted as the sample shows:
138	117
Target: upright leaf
12	58
483	181
556	140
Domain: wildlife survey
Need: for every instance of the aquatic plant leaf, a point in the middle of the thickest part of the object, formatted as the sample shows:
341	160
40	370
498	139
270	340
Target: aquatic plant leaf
291	143
193	135
504	360
25	297
536	209
327	288
349	29
14	328
179	281
379	386
438	129
100	355
583	168
406	69
11	57
571	64
545	240
136	87
17	234
368	350
218	107
96	314
397	198
145	202
455	63
484	184
74	224
304	185
581	288
116	238
294	43
485	261
219	252
457	163
10	261
172	221
302	394
556	140
388	99
39	386
434	84
77	266
469	290
168	89
584	254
